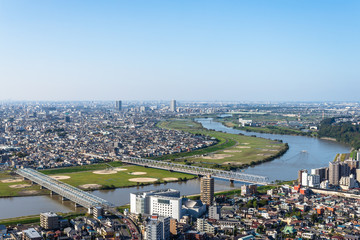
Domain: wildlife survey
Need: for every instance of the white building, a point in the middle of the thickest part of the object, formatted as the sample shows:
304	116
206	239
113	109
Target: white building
202	225
244	122
314	180
347	183
194	208
304	178
166	206
324	184
162	202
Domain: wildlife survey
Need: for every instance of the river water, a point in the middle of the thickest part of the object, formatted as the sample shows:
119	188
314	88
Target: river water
23	206
304	152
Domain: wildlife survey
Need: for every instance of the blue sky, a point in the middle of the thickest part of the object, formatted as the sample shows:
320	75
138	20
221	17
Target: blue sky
251	50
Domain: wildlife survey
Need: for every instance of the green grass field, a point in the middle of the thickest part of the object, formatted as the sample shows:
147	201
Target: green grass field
7	190
231	150
121	178
81	175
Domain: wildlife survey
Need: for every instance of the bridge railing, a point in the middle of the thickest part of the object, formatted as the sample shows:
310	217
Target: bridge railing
72	193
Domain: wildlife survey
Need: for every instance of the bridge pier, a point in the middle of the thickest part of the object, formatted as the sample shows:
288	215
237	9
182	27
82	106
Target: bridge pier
53	193
33	183
76	205
41	187
63	199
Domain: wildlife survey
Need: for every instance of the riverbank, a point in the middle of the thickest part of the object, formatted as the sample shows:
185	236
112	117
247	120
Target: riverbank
269	130
329	138
233	151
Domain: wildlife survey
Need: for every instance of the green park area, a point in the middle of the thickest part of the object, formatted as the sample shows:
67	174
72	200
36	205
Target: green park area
90	177
231	150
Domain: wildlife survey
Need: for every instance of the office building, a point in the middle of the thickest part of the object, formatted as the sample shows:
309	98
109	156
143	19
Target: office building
173	106
161	202
118	105
207	190
49	220
166	206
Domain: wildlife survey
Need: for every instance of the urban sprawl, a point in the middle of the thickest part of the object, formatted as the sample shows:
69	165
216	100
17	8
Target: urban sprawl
322	203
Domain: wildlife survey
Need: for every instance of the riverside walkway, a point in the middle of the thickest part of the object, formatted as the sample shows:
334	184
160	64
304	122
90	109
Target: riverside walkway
222	174
67	191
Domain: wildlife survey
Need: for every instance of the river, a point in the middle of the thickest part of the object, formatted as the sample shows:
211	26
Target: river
304	152
32	205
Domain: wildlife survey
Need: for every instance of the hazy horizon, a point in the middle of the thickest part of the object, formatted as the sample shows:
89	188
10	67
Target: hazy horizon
242	51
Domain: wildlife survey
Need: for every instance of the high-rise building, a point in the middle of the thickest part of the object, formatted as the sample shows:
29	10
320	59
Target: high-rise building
49	220
322	172
118	105
300	175
334	173
158	228
353	165
207	190
173	106
358	175
173	226
314	180
304	178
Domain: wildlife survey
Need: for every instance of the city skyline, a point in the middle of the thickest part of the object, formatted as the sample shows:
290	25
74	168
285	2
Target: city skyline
188	51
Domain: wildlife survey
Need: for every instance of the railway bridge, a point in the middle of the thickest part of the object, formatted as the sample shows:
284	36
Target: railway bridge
67	191
222	174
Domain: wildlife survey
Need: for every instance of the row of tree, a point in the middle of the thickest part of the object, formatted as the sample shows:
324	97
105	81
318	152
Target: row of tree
344	132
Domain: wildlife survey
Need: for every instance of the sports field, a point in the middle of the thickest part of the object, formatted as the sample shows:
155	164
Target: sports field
231	150
90	177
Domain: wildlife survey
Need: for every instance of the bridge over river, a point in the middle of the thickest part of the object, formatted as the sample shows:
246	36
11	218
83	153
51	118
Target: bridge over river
67	191
222	174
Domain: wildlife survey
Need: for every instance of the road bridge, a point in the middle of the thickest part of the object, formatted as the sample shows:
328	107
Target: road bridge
67	191
222	174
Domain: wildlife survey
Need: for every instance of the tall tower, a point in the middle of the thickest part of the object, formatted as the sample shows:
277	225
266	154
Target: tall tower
173	106
207	190
118	105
